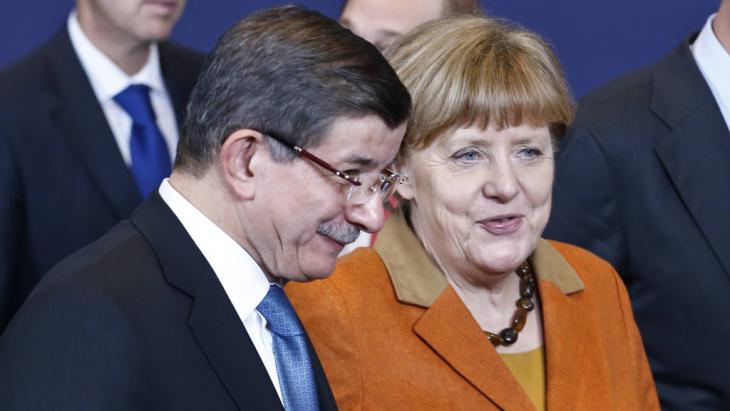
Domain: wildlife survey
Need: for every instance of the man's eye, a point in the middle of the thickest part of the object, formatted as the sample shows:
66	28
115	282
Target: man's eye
352	173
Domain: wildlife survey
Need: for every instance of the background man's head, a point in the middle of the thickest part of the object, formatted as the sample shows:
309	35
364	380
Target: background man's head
382	21
302	78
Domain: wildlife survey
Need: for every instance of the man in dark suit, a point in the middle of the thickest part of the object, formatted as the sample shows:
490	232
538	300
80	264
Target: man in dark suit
643	180
66	165
181	306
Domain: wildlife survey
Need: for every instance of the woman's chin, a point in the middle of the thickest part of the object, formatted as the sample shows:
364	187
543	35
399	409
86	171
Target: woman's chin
505	261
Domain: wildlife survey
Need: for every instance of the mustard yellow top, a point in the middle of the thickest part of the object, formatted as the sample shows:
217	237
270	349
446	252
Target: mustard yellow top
528	369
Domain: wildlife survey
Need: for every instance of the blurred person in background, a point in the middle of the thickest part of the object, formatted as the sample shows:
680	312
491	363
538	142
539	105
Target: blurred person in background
88	128
643	180
461	303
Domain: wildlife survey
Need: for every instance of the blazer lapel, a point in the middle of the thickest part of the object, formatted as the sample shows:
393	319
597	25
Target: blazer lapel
82	123
213	320
564	334
696	149
449	329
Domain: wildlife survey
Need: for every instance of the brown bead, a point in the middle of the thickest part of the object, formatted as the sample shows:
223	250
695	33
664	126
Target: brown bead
494	338
527	289
519	320
525	303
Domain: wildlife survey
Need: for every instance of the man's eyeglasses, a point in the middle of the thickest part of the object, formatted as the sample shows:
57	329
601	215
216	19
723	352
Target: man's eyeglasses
362	187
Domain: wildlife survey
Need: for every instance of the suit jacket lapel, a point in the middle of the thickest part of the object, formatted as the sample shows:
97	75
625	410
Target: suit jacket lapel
696	148
213	320
82	123
449	329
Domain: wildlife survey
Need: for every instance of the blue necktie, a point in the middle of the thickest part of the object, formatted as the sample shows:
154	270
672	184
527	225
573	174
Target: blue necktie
150	158
293	364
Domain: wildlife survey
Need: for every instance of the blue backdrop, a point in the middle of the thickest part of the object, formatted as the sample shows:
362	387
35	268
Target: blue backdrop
596	40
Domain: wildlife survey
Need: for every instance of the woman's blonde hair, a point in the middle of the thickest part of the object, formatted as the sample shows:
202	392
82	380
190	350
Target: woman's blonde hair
474	70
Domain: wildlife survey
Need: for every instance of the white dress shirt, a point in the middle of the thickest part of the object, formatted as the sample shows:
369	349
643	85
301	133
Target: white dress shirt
242	279
714	63
108	80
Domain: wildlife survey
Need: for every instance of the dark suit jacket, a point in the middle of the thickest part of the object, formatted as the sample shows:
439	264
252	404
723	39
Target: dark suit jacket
643	180
136	321
63	182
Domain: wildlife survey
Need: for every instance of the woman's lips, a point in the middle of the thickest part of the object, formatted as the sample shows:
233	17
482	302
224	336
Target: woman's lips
501	225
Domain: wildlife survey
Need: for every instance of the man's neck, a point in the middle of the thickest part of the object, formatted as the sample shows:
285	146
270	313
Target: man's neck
128	54
721	25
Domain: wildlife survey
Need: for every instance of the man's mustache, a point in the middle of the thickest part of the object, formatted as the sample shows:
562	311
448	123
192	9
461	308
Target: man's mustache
342	233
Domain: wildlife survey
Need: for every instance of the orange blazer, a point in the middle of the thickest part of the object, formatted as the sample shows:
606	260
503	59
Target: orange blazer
392	334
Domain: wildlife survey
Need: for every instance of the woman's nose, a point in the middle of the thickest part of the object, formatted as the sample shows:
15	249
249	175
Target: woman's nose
502	184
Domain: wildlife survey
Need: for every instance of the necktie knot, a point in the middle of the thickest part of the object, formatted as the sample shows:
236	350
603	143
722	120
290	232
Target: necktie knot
135	100
279	313
147	147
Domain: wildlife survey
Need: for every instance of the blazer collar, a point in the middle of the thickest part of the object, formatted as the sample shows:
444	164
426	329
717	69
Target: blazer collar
212	320
695	147
449	329
419	281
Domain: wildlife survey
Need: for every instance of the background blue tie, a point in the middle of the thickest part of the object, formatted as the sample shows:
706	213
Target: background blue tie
296	378
150	158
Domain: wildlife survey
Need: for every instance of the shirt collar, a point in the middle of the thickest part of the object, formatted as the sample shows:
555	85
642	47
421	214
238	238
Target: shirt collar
418	280
242	278
713	60
106	78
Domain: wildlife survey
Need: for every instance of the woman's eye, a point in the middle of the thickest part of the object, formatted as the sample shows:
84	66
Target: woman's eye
529	153
468	155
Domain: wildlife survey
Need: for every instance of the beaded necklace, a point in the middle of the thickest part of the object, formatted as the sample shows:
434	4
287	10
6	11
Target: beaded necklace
528	287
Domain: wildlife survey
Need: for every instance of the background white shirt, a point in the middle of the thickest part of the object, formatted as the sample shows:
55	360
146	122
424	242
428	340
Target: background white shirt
242	279
714	63
108	80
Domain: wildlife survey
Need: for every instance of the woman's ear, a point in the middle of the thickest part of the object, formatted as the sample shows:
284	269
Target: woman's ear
239	152
405	189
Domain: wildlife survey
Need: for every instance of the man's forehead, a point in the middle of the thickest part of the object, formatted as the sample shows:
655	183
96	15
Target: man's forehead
391	12
365	141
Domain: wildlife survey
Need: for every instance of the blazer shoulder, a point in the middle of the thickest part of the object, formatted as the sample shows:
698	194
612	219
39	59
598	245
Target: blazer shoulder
24	75
630	95
107	266
186	62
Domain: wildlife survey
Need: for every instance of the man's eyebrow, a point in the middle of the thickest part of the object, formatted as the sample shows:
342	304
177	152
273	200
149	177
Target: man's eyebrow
359	160
366	162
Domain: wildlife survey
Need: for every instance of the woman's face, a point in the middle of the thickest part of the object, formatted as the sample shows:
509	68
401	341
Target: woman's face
480	199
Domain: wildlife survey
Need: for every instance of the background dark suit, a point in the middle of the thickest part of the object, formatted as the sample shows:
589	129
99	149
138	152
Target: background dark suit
63	181
596	40
136	321
643	180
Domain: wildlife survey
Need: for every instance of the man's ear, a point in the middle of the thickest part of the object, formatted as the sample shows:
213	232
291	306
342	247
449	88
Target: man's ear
238	152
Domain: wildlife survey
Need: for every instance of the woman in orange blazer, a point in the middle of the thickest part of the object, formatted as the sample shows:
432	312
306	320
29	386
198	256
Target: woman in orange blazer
461	304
